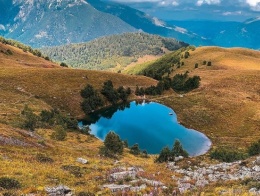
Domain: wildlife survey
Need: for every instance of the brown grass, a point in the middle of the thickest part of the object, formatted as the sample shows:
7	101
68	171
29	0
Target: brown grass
225	107
227	104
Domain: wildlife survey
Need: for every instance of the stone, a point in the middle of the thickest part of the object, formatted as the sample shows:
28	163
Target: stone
116	187
138	188
178	158
257	161
256	168
201	183
122	175
60	190
81	160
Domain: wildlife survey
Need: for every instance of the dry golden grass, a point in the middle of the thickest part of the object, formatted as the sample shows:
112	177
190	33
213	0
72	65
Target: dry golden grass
225	107
141	60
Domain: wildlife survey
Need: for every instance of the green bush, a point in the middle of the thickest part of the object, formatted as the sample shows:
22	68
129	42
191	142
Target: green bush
9	183
165	155
113	143
59	133
196	65
168	155
64	65
227	155
178	150
254	149
135	149
31	119
209	63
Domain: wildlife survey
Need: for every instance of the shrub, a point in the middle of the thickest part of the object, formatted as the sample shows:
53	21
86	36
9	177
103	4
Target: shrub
64	65
42	158
209	63
186	55
135	149
164	156
168	155
196	65
113	143
227	155
254	149
86	194
9	52
74	170
204	62
9	183
178	150
59	133
31	119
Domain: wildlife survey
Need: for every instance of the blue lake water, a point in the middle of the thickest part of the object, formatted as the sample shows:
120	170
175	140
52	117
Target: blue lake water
151	125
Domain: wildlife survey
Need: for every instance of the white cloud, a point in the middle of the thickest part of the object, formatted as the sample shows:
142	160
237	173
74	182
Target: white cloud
175	3
254	4
232	13
209	2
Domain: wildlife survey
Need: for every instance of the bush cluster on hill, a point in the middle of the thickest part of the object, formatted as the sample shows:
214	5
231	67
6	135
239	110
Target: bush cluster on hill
230	155
158	69
25	48
48	119
106	52
168	155
227	155
179	83
93	99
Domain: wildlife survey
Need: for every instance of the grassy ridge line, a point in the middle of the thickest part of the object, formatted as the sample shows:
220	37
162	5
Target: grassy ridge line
24	80
227	104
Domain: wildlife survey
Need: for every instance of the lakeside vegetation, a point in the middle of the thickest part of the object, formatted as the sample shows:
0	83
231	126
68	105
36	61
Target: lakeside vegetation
108	52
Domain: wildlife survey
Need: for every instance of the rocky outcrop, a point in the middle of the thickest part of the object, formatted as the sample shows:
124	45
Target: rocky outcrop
60	190
195	177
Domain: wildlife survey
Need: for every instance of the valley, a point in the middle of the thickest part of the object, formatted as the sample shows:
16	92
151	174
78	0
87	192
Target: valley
98	98
228	89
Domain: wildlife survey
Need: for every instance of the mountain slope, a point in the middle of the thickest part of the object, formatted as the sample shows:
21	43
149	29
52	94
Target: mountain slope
50	23
109	52
148	24
226	105
47	23
226	34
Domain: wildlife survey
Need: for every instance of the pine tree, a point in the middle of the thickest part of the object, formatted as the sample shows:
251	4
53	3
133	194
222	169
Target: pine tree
113	143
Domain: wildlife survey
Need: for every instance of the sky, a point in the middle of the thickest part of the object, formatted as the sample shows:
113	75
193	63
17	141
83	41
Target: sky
221	10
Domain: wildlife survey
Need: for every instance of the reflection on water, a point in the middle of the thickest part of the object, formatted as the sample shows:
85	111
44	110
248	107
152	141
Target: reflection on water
151	125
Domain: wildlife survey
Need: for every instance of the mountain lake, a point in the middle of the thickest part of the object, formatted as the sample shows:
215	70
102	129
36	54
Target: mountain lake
150	124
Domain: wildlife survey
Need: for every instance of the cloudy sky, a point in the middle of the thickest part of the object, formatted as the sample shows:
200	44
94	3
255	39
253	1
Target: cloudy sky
234	10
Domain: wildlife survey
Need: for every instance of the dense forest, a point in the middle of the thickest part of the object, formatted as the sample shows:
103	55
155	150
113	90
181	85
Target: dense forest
108	52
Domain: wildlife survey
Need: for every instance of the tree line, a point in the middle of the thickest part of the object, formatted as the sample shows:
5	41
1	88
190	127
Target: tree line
106	52
93	99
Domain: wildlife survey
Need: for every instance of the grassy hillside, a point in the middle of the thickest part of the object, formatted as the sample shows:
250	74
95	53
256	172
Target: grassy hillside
116	51
225	107
227	104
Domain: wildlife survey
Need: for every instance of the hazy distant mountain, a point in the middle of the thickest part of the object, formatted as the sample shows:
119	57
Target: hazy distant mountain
146	23
54	22
226	34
